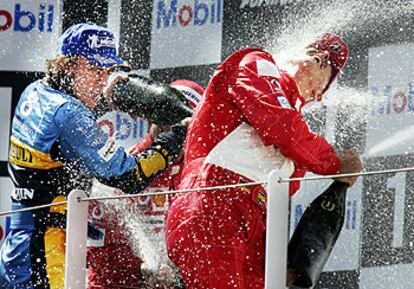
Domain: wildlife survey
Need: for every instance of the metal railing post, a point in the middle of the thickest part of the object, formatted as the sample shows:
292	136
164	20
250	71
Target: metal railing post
276	230
76	238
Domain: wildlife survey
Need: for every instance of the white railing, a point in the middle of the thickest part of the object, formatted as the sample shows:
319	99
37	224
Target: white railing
276	231
276	238
76	238
277	224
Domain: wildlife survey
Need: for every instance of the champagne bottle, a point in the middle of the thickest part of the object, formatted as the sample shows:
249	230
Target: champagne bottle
158	103
316	234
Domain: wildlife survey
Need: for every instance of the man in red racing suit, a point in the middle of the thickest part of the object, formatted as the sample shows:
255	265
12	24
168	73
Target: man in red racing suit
248	123
112	262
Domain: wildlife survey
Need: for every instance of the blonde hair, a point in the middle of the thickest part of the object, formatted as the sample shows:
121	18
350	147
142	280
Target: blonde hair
56	73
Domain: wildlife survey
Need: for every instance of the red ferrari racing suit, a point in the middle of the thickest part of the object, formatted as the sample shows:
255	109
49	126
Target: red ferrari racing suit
248	123
111	260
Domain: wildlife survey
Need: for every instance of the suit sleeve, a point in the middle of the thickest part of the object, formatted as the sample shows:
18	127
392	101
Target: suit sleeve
266	108
86	145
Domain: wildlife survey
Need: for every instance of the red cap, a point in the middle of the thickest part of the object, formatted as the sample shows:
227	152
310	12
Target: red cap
191	90
338	52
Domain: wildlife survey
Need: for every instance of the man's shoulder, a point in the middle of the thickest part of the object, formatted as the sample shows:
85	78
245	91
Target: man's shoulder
250	57
249	54
45	96
63	106
73	111
40	101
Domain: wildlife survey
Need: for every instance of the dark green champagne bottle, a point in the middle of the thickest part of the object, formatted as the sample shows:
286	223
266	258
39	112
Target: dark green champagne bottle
316	234
155	102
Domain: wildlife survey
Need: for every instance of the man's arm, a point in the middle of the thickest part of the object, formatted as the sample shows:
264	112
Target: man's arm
276	122
85	143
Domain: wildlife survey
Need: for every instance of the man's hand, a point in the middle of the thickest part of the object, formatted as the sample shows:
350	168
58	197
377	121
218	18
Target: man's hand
108	90
154	131
171	143
350	163
186	121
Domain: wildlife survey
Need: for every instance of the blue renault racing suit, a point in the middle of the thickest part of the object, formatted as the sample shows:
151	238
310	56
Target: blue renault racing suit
55	141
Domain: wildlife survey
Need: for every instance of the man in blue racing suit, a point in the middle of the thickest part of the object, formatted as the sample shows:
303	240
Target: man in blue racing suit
56	142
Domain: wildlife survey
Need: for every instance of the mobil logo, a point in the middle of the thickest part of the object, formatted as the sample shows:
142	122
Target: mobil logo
174	13
122	127
20	19
388	99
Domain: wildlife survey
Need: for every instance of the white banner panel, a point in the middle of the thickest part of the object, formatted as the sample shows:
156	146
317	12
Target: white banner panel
391	81
395	277
186	32
345	255
260	3
5	114
114	19
6	187
6	184
29	31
